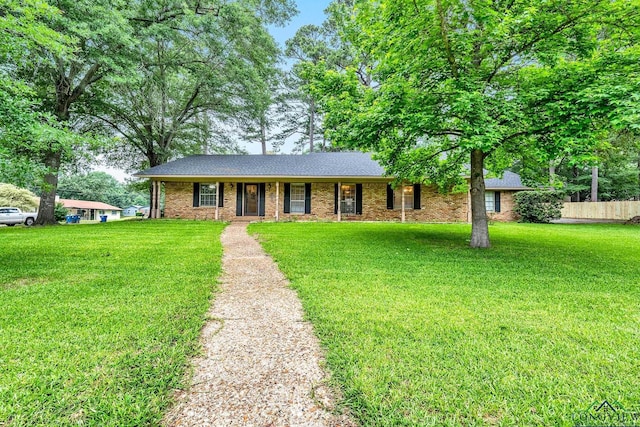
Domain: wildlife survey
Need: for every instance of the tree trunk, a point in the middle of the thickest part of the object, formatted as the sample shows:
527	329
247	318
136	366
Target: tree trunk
155	159
479	224
594	184
638	195
575	197
312	120
263	137
552	172
46	209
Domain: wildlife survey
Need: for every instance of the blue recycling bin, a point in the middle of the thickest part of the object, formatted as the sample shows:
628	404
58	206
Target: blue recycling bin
68	219
103	218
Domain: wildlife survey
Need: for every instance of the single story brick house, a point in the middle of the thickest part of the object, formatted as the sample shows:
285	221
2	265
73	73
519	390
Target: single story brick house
317	186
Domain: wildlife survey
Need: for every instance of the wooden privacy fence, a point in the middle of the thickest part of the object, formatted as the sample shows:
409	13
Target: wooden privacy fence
601	210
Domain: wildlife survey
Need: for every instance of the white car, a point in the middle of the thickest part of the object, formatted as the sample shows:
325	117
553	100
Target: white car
12	216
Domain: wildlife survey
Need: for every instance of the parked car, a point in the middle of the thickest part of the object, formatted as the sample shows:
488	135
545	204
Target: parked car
12	216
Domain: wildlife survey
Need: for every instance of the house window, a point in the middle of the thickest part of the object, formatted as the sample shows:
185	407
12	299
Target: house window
297	198
490	201
408	197
114	213
207	194
348	199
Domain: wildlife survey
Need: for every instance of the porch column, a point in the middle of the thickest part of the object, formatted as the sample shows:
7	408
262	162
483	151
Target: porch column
217	198
339	201
154	198
402	191
157	199
277	200
469	205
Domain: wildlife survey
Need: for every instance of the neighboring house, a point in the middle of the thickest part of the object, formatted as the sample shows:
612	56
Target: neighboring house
131	210
317	186
499	196
89	210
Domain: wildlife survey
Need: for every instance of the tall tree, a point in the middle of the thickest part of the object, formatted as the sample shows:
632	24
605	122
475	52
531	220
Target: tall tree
462	84
98	35
23	31
261	112
197	66
308	46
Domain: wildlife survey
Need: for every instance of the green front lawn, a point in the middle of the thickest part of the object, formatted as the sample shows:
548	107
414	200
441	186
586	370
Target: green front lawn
97	321
421	330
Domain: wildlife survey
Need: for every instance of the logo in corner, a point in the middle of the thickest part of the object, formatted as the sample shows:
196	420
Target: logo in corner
605	413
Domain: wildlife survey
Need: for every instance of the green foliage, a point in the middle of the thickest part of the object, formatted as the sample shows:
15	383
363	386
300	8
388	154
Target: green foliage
10	195
422	331
23	126
60	212
97	326
100	187
199	69
618	162
481	83
538	206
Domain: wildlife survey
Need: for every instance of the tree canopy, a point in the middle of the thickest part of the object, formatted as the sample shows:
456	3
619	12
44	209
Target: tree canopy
460	85
163	78
100	187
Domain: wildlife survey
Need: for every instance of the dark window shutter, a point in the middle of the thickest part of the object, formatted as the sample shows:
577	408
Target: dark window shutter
287	197
358	199
496	198
196	194
416	196
262	195
389	197
335	199
221	195
307	198
239	190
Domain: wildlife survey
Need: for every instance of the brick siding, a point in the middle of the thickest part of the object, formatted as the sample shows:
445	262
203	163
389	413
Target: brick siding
435	207
506	208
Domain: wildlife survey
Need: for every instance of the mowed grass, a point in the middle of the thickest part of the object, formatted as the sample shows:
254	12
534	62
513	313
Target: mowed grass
97	321
419	329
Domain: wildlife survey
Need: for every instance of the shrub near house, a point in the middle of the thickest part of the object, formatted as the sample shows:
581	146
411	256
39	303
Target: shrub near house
538	206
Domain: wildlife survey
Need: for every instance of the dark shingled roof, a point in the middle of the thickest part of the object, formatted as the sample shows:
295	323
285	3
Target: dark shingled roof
509	181
320	165
342	164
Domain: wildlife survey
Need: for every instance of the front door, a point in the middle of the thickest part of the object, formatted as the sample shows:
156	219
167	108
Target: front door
251	199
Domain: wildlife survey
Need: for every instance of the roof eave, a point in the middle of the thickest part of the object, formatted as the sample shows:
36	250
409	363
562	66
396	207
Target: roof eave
508	188
263	178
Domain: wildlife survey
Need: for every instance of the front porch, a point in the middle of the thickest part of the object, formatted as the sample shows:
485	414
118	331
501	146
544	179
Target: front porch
311	201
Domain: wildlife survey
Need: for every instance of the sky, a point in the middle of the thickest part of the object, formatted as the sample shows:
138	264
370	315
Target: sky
309	12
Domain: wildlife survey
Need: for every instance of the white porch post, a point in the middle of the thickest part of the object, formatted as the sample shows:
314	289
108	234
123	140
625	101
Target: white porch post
277	200
217	198
154	198
339	201
469	204
158	199
402	191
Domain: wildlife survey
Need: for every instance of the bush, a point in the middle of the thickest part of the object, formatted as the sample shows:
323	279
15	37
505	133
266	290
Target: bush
10	195
60	212
538	206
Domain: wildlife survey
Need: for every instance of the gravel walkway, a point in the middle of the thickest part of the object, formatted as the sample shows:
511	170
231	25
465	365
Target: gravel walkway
261	361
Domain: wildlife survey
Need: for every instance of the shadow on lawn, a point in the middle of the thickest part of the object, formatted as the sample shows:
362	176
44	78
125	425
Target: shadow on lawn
590	248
